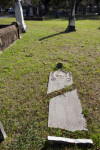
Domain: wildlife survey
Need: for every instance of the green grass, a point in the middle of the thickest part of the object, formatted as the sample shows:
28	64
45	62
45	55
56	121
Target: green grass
24	72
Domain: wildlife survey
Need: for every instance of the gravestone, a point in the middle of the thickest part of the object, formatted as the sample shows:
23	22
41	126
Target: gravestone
24	12
65	112
31	14
58	80
2	133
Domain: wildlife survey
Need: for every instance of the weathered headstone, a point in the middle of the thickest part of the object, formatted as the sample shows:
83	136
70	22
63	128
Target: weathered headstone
2	133
58	80
65	112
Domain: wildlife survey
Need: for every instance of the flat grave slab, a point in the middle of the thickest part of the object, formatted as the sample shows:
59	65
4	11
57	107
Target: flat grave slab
58	80
69	140
2	132
65	112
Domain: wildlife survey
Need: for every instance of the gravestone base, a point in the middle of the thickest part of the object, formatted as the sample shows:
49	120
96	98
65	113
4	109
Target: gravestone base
9	34
63	140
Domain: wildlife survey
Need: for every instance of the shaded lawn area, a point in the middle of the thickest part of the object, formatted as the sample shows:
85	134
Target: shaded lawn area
24	72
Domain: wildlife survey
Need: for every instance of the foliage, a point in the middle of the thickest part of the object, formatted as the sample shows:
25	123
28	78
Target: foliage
47	3
6	4
85	112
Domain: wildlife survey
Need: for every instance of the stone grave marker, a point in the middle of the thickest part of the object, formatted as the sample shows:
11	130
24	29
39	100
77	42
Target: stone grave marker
69	140
2	132
65	112
31	14
24	12
58	80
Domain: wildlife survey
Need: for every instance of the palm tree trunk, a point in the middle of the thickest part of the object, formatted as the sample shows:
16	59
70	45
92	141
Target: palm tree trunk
19	15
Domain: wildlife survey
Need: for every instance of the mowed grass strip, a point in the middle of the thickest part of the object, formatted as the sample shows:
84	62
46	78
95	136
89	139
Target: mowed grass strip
24	72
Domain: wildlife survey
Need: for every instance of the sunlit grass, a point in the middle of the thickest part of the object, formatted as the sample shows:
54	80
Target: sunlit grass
24	72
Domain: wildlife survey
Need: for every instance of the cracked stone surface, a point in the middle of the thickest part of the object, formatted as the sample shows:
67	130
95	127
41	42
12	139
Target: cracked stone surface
58	80
2	132
65	112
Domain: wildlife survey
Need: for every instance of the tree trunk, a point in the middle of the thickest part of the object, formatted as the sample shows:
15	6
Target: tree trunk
46	9
19	15
71	26
77	4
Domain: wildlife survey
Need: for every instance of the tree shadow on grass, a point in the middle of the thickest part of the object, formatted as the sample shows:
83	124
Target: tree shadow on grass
64	32
63	146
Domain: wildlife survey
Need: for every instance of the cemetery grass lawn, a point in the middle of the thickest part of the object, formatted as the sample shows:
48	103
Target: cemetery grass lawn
24	72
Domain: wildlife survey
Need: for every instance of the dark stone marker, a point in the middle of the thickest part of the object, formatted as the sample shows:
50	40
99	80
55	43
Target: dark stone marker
59	65
69	140
24	12
2	133
31	14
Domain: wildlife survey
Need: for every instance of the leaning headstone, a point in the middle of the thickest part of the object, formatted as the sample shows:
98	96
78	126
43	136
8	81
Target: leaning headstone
69	140
2	133
19	15
65	112
58	80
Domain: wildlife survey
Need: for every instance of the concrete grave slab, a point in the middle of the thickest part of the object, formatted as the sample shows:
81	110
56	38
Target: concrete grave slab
65	112
69	140
2	132
58	80
9	34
